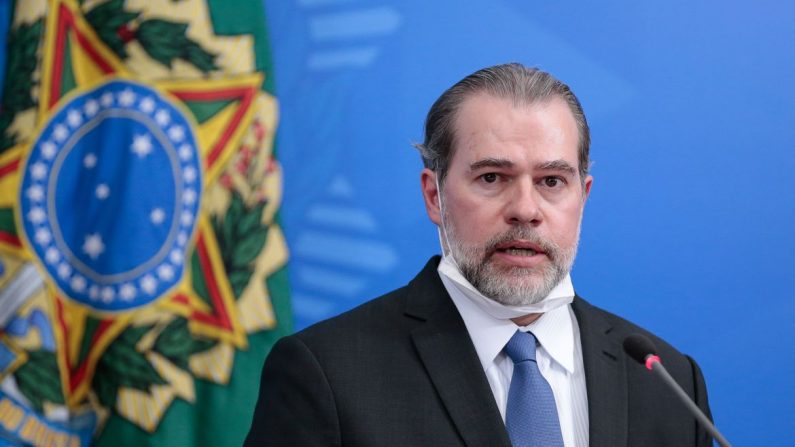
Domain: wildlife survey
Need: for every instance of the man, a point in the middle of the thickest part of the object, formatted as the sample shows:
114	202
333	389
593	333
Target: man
440	361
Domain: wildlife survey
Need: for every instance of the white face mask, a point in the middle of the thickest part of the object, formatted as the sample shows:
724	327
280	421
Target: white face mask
561	295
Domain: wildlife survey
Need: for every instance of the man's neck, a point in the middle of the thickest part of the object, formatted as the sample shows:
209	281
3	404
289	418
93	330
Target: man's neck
526	319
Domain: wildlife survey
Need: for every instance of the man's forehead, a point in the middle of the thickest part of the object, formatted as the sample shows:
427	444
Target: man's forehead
492	128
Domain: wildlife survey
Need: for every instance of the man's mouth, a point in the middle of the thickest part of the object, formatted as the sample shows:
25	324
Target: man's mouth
519	248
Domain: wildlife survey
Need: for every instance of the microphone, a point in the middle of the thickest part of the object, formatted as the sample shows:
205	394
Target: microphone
640	348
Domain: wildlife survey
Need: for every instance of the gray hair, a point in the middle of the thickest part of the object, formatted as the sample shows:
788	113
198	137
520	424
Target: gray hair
522	85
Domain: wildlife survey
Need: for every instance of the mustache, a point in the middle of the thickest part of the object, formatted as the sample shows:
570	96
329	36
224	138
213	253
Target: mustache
524	233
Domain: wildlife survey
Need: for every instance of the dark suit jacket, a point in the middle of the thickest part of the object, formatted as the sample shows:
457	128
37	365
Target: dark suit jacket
401	370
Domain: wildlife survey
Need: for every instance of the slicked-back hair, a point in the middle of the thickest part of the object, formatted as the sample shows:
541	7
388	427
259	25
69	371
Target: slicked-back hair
519	84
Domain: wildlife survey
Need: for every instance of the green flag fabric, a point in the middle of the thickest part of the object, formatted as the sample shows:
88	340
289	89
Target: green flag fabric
142	263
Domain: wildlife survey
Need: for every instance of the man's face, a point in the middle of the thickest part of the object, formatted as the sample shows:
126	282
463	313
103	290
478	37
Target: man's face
512	201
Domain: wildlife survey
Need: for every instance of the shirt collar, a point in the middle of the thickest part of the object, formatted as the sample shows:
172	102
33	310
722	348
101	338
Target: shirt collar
553	330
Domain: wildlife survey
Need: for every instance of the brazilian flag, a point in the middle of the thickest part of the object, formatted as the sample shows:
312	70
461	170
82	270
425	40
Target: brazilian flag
142	263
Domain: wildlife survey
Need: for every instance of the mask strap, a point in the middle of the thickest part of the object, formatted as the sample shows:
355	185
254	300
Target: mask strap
444	241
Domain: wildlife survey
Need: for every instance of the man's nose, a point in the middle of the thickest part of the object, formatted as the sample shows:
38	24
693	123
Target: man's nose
523	203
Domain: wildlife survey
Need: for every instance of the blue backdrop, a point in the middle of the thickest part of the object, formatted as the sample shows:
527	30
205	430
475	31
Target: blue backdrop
688	231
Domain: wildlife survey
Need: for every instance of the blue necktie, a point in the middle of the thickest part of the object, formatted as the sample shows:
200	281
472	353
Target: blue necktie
531	417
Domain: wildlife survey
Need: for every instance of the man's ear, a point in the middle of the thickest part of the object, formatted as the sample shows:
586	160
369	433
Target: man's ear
587	188
430	193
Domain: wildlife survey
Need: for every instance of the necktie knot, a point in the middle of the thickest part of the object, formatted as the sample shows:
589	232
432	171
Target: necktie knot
521	347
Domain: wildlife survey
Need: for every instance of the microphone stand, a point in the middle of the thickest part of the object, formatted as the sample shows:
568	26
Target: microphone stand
653	363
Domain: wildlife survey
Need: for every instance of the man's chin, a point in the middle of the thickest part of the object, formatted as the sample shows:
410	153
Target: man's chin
517	277
510	292
517	300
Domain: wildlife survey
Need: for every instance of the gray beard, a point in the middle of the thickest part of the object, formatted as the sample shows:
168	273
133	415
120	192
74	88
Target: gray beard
511	286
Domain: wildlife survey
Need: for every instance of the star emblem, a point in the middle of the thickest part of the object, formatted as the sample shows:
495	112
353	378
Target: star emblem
93	245
212	311
91	108
37	215
142	145
89	161
157	216
103	191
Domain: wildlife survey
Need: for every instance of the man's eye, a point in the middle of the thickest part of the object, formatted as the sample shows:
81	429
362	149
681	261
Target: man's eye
552	182
489	178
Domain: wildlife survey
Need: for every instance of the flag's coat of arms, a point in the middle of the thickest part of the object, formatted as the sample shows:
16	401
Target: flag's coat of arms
137	229
103	151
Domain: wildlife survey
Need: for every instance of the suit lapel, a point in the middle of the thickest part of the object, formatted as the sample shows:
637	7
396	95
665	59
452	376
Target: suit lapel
449	356
605	378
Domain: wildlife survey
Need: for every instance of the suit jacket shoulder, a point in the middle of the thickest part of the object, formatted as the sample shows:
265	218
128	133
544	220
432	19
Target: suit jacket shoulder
398	370
627	404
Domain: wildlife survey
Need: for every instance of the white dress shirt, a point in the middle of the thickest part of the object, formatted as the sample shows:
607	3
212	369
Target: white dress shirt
559	358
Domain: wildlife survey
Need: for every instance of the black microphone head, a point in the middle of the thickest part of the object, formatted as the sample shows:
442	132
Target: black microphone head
639	347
